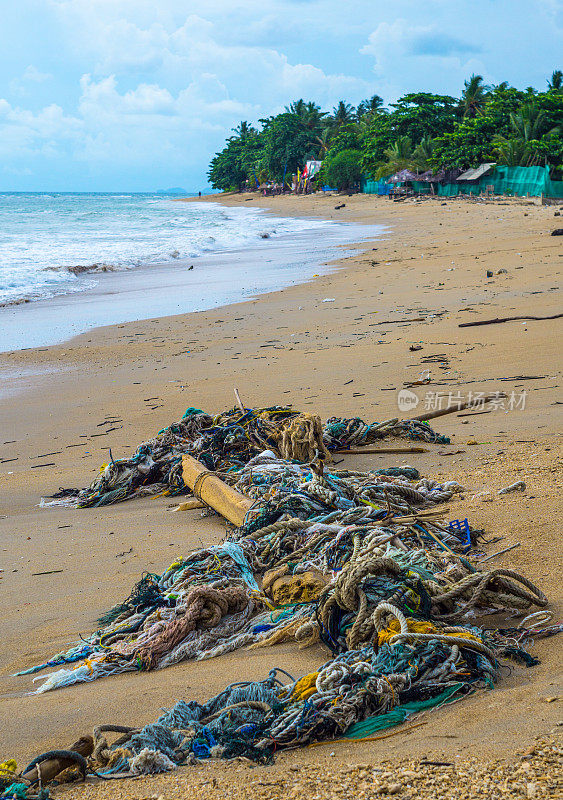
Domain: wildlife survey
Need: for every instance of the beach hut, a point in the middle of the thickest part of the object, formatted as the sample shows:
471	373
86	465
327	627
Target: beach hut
403	176
474	175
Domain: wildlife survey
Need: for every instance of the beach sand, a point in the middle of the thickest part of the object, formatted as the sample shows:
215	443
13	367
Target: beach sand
333	358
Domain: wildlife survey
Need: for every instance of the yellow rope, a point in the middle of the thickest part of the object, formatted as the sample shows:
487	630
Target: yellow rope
418	626
305	687
7	767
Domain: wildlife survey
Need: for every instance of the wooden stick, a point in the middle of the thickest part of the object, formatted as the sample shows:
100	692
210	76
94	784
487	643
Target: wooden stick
397	321
498	320
49	572
239	402
216	494
420	515
459	407
499	552
374	450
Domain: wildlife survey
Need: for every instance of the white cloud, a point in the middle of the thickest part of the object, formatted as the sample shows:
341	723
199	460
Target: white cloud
409	56
31	75
101	99
144	84
45	132
200	86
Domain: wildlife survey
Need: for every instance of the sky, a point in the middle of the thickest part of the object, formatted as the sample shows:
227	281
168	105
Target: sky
137	95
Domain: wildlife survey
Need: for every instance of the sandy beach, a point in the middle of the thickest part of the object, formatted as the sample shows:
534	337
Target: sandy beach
346	356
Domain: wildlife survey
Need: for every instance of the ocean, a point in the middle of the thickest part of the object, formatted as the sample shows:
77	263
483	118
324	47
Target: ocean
59	243
72	262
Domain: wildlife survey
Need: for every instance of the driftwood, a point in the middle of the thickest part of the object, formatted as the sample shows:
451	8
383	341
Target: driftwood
357	451
397	321
206	486
459	407
498	320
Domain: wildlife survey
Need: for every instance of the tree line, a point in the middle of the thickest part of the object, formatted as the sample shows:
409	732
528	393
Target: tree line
420	131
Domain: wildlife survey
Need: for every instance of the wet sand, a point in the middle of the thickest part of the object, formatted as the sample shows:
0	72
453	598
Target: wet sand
289	346
179	286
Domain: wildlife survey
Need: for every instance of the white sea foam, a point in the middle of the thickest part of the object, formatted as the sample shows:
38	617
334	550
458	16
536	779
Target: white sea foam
53	244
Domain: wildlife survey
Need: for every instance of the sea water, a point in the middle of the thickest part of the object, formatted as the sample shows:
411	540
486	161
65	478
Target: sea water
73	262
54	244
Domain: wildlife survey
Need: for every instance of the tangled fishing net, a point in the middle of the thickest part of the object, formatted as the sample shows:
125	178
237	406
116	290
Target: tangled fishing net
359	561
227	442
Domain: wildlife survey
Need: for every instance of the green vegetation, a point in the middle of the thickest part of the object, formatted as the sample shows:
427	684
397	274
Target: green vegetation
344	171
420	131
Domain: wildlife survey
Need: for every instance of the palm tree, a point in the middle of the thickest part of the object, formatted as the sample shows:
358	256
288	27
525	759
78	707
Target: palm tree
512	152
423	152
298	107
314	118
313	109
373	105
530	122
243	130
399	156
322	140
556	82
473	96
342	114
309	114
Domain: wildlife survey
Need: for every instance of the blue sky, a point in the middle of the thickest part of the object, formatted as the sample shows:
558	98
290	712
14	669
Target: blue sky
109	95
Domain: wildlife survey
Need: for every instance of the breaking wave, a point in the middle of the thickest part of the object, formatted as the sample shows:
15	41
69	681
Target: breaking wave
53	244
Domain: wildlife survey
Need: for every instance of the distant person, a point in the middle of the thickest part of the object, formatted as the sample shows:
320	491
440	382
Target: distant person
199	194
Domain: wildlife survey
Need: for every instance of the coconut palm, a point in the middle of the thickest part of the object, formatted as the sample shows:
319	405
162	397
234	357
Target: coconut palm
243	130
399	156
531	122
512	152
556	82
310	115
423	153
298	107
322	140
314	118
373	105
342	114
528	124
473	96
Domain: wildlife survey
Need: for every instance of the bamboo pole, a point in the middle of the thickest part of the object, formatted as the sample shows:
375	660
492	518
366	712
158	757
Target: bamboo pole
205	485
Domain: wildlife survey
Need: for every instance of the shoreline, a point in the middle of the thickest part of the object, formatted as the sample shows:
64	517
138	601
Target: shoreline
288	346
180	286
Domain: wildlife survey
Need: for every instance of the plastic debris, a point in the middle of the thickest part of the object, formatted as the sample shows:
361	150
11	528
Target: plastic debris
517	486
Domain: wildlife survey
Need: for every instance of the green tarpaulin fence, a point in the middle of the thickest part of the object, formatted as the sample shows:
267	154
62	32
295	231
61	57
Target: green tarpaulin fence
519	181
368	186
